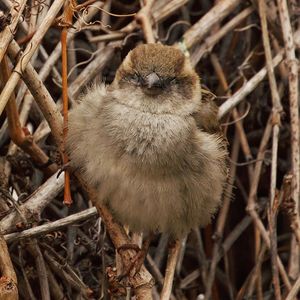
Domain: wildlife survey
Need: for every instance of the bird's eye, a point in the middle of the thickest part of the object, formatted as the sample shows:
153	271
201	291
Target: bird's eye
169	81
173	80
136	78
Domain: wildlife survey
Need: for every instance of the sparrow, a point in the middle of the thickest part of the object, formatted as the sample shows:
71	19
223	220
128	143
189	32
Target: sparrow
150	143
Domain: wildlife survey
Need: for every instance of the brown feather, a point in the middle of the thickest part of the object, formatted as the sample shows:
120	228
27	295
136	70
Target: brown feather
151	163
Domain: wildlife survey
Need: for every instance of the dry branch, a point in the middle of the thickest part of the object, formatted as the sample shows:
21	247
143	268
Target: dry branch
8	278
292	65
8	33
277	109
28	53
199	30
71	259
247	88
35	204
53	226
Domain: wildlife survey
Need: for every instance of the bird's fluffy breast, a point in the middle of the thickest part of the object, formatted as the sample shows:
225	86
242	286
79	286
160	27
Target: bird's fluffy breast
156	172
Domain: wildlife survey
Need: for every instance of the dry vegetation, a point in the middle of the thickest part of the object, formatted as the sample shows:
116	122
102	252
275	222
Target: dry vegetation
245	52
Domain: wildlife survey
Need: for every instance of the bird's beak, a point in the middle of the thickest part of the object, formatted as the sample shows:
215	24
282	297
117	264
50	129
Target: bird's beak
152	81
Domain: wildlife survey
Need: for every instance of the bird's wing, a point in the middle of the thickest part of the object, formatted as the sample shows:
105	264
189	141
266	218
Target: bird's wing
206	116
207	120
84	124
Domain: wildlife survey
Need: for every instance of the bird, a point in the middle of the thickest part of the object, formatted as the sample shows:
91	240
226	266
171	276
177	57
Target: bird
150	143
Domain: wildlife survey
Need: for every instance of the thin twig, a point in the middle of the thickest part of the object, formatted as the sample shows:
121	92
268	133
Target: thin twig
215	15
170	270
277	108
17	133
40	268
251	208
8	33
143	17
68	14
247	88
52	226
292	64
28	52
35	204
8	278
294	291
208	44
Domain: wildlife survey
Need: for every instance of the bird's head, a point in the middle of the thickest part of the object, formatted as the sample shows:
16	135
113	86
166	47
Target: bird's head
159	79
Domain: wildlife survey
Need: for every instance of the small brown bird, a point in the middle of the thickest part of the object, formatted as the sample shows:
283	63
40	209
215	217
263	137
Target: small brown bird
148	143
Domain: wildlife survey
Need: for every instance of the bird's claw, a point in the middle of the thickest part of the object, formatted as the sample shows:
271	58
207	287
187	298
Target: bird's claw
135	263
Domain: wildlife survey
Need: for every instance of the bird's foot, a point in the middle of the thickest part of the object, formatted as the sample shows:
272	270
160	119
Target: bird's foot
126	247
137	260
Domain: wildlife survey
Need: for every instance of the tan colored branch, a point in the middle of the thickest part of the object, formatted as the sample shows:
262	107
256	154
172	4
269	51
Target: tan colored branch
8	278
277	108
28	53
52	226
142	281
8	33
215	15
35	204
208	44
251	208
294	291
292	65
144	18
170	270
36	253
41	96
17	134
247	88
